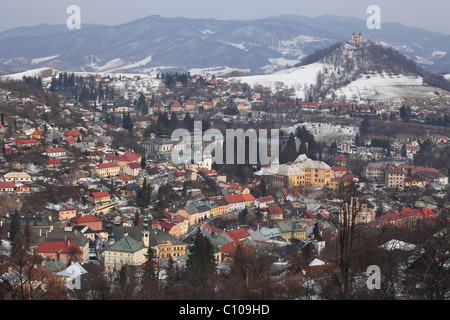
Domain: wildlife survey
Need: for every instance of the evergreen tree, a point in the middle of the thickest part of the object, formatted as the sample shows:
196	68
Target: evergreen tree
201	266
15	226
290	151
173	120
364	126
303	148
263	188
403	151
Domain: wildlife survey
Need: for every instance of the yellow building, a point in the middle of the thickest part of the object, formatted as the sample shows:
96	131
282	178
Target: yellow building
164	244
291	230
104	170
126	251
301	173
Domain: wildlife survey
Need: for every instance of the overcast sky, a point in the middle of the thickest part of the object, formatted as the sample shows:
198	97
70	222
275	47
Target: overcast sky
429	14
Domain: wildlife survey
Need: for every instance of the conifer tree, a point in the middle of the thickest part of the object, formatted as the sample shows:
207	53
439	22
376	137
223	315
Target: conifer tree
201	266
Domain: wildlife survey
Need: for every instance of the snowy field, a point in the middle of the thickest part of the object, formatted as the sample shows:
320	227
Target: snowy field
326	132
385	87
296	78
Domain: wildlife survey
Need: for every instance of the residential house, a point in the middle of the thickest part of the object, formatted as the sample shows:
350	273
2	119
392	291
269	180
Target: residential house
181	221
62	234
130	189
222	206
17	177
6	186
264	202
249	199
291	230
275	213
133	169
107	170
75	134
99	197
192	214
236	202
87	220
374	172
395	178
170	228
126	251
57	152
190	105
66	251
66	212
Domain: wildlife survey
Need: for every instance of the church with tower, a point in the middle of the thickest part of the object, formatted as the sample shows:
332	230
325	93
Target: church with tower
357	37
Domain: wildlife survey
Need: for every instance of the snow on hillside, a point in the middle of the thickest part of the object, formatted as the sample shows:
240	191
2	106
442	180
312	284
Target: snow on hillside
39	72
216	71
326	132
385	87
39	60
296	78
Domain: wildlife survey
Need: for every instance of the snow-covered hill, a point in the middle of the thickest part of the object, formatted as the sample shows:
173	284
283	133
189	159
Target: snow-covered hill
298	78
357	72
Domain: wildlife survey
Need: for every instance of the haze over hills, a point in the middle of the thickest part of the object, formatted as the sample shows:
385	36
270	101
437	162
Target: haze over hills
252	46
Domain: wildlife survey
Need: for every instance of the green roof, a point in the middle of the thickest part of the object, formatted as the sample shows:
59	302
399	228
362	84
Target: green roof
55	266
157	237
289	226
126	244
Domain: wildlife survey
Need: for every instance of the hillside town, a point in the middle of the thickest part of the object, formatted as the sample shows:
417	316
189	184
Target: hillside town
89	193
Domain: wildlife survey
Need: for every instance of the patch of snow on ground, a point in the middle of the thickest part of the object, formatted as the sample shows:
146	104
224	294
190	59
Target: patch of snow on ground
39	60
296	78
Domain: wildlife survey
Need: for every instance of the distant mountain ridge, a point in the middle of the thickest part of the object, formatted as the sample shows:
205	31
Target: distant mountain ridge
254	46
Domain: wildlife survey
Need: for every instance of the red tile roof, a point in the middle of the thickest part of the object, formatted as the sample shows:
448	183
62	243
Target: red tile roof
79	219
238	234
275	210
130	156
248	197
55	150
67	247
234	198
72	133
134	165
266	199
107	165
6	184
100	194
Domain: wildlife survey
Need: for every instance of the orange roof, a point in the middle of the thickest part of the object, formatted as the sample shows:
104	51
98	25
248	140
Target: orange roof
238	234
266	199
6	184
54	161
234	198
248	197
107	165
275	210
84	219
68	247
55	150
25	141
100	194
130	156
73	133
